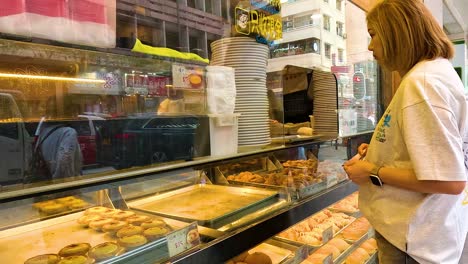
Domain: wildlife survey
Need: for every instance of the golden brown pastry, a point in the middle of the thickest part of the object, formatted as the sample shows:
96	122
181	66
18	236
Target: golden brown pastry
129	231
258	258
153	223
122	215
154	233
43	259
241	257
39	205
53	208
98	224
77	204
132	241
86	219
76	249
105	250
76	260
114	226
138	219
66	200
99	210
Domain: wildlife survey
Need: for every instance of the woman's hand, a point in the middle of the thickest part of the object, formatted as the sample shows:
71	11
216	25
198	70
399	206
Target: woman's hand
362	149
358	170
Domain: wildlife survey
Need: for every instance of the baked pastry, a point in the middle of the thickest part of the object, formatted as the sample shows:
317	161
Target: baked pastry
77	204
153	223
258	258
132	241
138	219
105	250
114	226
76	260
86	219
39	205
98	224
339	243
129	231
54	208
43	259
66	200
329	249
76	249
99	210
122	215
154	233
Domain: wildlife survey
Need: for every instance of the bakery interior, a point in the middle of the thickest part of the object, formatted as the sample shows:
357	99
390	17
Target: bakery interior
201	138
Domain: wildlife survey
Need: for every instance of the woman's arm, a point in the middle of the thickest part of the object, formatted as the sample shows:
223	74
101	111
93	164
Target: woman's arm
359	172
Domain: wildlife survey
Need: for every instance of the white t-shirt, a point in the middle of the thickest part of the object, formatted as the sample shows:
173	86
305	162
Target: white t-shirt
422	129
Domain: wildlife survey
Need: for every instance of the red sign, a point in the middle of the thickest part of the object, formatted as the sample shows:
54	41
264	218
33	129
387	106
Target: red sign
157	85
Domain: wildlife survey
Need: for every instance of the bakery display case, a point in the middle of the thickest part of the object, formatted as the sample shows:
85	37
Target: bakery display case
183	214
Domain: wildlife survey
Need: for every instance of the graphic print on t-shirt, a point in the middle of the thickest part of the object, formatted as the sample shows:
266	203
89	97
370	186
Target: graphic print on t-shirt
385	122
465	201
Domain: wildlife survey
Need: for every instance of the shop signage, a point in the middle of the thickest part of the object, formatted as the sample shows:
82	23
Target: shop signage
157	85
183	239
136	83
188	77
260	19
112	84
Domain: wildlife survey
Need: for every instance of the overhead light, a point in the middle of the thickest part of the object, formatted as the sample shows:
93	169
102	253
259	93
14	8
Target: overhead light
51	78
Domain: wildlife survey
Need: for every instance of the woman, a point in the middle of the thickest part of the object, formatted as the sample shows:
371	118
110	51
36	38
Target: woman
420	212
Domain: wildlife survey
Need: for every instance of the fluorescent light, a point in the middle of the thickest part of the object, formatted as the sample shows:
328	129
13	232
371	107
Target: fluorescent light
53	78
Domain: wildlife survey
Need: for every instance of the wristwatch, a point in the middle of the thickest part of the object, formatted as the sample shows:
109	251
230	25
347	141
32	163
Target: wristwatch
374	176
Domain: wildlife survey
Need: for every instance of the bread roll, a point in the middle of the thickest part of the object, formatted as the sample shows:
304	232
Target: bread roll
305	131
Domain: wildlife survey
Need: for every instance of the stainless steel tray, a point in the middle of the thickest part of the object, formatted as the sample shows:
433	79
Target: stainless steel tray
49	236
206	204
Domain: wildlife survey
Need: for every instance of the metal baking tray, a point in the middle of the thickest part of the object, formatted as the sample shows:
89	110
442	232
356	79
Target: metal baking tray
297	243
207	204
49	236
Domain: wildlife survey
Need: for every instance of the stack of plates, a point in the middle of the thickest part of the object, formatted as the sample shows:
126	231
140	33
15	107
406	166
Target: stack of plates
325	103
249	59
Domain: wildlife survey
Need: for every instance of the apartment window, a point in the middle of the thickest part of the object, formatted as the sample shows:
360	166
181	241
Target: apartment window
340	55
287	25
328	51
339	5
339	29
303	21
326	22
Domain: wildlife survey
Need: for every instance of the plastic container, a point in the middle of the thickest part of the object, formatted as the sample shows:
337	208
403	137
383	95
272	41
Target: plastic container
223	134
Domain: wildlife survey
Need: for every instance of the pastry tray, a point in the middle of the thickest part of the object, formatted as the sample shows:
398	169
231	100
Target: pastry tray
353	246
313	247
49	236
207	204
295	192
294	138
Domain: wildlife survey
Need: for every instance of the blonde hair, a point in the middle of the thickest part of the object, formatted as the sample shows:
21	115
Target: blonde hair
408	33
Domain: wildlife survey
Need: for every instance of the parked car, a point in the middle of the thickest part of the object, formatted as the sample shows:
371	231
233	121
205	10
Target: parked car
144	140
15	141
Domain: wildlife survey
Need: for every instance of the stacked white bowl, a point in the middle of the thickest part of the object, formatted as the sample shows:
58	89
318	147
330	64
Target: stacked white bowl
249	59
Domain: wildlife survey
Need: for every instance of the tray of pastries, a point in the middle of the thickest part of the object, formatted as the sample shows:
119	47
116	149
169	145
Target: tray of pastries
348	205
310	230
92	236
336	247
207	204
265	253
365	253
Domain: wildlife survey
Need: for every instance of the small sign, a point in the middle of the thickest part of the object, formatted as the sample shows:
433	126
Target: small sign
183	239
371	233
331	180
301	254
328	259
187	77
327	234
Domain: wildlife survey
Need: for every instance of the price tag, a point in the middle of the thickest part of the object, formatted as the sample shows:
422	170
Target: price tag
371	233
331	180
301	254
328	259
327	234
183	239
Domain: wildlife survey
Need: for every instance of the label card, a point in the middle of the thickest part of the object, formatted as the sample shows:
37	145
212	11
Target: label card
183	239
331	180
327	234
328	259
301	254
